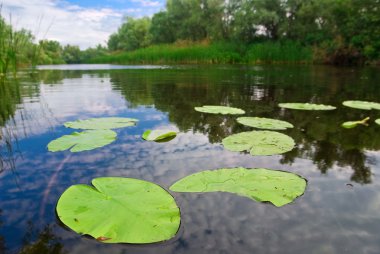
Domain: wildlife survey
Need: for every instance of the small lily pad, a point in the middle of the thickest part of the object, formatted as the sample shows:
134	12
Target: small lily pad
259	142
82	141
353	124
120	210
104	123
306	106
263	185
159	135
220	110
377	121
366	105
264	123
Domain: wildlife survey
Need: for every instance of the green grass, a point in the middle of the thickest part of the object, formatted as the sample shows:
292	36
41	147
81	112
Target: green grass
216	53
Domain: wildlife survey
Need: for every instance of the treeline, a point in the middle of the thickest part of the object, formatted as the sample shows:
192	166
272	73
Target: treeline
17	48
338	31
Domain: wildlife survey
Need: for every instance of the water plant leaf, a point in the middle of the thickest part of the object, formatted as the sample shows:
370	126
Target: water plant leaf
120	210
263	185
306	106
366	105
220	110
103	123
259	142
264	123
82	141
353	124
158	135
377	121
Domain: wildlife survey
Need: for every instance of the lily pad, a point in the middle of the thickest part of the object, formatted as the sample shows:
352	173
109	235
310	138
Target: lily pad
104	123
264	123
353	124
306	106
259	142
120	210
220	110
82	141
158	135
377	121
263	185
366	105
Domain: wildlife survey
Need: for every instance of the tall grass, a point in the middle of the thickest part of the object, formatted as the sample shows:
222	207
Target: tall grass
279	52
219	53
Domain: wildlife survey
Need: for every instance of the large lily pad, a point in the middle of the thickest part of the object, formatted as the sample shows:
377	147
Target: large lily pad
220	110
306	106
120	210
103	123
277	187
264	123
82	141
366	105
259	142
158	135
377	121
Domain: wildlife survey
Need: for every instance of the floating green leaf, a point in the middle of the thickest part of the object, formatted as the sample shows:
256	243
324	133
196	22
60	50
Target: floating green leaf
120	210
306	106
377	121
103	123
366	105
220	110
353	124
82	141
259	142
158	135
277	187
264	123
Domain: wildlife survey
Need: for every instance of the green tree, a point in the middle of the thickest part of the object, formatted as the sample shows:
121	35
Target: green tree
133	34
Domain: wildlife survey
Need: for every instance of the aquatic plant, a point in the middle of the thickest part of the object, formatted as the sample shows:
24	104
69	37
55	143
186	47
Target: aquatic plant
120	210
260	184
264	123
102	123
82	141
259	142
306	106
220	110
353	124
159	135
365	105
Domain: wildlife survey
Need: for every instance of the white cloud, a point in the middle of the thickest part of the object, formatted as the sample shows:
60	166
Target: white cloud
69	23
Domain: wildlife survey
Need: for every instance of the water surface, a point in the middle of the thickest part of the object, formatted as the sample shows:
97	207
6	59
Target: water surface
339	212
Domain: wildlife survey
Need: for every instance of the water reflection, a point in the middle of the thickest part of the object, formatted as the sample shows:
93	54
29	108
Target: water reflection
332	217
318	134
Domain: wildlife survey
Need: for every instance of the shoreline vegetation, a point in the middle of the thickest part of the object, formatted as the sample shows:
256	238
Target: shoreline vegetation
338	32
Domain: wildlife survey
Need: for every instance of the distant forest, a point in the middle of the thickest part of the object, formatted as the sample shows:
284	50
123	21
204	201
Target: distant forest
332	31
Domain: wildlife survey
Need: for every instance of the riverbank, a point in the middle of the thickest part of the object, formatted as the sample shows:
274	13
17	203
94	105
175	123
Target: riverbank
215	53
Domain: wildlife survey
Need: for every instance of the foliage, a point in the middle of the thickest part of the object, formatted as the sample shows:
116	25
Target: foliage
120	210
159	135
259	142
353	124
82	141
263	185
220	110
340	32
365	105
306	106
264	123
102	123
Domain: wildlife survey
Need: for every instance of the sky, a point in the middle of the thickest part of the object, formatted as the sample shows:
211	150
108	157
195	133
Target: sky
84	23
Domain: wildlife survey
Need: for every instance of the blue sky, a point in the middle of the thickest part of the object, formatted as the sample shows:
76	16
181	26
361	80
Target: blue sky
83	23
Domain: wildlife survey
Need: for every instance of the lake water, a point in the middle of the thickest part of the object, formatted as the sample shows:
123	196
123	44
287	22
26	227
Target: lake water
339	212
